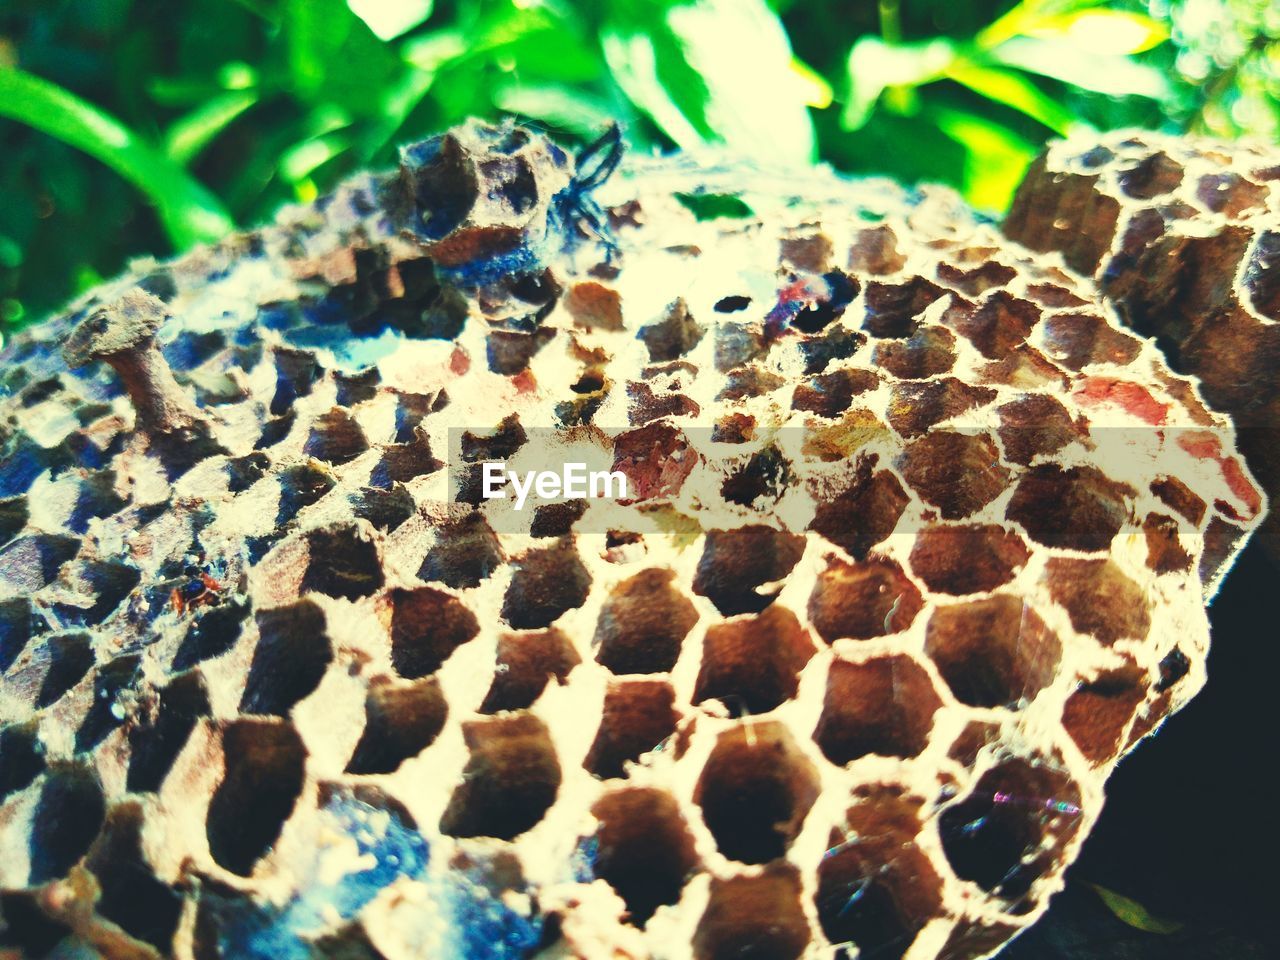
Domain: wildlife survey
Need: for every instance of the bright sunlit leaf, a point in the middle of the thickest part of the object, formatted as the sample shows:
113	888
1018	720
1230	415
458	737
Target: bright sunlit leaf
1063	60
190	213
634	64
189	135
814	89
389	19
1134	913
875	65
1116	32
995	157
1013	90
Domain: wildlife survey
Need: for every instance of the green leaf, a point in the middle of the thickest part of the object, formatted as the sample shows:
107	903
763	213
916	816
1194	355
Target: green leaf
710	206
335	58
1063	60
995	161
189	135
190	213
563	107
1013	90
389	19
1134	913
875	66
1114	32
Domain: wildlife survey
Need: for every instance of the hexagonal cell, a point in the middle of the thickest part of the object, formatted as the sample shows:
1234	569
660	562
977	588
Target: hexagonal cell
108	582
290	660
976	280
894	309
1176	495
353	388
1099	710
427	625
96	497
403	462
957	472
1013	826
765	475
264	771
992	652
1260	286
70	658
300	486
526	664
1165	552
67	818
154	745
829	394
1079	508
757	917
753	663
1152	176
342	562
21	757
132	897
466	551
835	343
112	679
637	716
335	438
644	849
545	582
736	563
500	443
883	706
400	721
862	600
875	251
648	405
385	510
673	336
1079	339
876	887
511	778
998	324
915	407
643	623
755	791
32	562
1035	425
929	352
656	459
19	622
1099	598
864	513
967	558
212	632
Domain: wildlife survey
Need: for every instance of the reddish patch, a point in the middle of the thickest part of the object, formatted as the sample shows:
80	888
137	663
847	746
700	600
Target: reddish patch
1131	397
1204	445
459	362
525	382
656	459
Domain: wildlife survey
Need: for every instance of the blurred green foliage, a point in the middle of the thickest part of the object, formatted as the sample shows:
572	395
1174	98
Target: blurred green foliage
143	126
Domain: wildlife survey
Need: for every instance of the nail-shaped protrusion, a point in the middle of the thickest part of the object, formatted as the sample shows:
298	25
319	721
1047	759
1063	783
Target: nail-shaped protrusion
123	334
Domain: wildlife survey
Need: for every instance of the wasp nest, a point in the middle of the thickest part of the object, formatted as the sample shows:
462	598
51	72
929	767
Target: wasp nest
914	545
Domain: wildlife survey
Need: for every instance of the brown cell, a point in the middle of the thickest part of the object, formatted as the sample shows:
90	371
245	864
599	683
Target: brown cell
643	623
957	472
291	657
829	394
511	778
737	563
883	706
1165	552
1000	323
863	600
1099	598
1152	176
1079	508
545	582
894	309
594	306
927	353
526	663
976	280
992	652
644	849
1099	710
336	438
427	625
758	916
967	558
755	791
915	407
342	562
400	721
864	513
875	251
1035	425
673	336
753	663
1079	339
637	716
466	551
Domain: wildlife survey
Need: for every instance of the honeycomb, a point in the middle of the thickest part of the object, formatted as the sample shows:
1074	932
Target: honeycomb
916	544
1180	234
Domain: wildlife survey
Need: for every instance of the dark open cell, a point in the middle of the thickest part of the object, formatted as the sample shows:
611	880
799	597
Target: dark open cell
545	582
67	818
154	746
755	791
637	716
511	778
32	562
19	622
427	625
264	770
290	659
107	581
213	631
864	513
969	558
1099	598
894	309
1098	712
674	335
402	462
927	353
466	551
881	706
753	918
863	600
765	475
301	486
70	657
342	562
400	722
753	664
96	498
132	896
957	472
113	679
13	517
735	563
1079	508
21	757
335	438
644	849
244	472
526	663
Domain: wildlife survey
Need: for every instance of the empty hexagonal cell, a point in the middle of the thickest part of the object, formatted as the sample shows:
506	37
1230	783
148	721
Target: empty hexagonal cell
998	325
67	818
290	660
511	778
400	721
758	916
466	551
19	622
32	562
968	558
643	623
1013	826
1151	176
976	280
764	476
402	462
875	251
956	472
527	662
736	564
335	437
21	757
644	849
637	716
131	895
70	658
656	460
1098	712
155	743
876	887
427	625
829	394
1035	425
342	562
992	652
894	309
300	486
104	715
914	407
753	663
1100	599
883	706
1079	508
212	632
1079	339
927	353
1165	552
864	513
673	336
863	600
545	582
755	791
